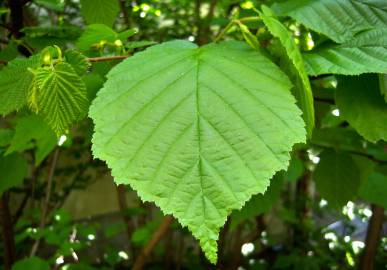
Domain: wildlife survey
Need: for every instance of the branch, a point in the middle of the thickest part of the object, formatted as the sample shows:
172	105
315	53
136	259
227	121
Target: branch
146	251
107	58
373	238
46	200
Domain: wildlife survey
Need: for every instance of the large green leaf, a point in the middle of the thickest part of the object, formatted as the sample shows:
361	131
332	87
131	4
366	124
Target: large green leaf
365	53
59	95
362	105
13	170
293	66
100	11
340	20
15	81
196	130
337	178
31	132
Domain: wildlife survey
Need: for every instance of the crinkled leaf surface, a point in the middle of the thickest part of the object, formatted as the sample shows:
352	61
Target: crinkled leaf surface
60	96
337	178
293	66
78	61
365	53
340	20
100	11
15	81
196	130
363	106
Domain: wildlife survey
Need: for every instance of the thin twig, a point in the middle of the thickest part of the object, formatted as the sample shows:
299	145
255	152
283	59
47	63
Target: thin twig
373	238
46	200
107	58
146	251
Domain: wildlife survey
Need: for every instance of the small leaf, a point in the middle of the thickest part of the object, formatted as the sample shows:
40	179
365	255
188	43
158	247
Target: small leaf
61	96
13	170
6	135
100	11
293	66
31	263
78	61
31	132
15	81
337	178
374	189
362	105
95	34
196	130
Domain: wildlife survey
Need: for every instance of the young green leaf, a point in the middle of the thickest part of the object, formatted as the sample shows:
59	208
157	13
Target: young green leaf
198	131
78	61
293	66
362	105
365	53
337	178
15	82
100	11
13	170
340	20
60	96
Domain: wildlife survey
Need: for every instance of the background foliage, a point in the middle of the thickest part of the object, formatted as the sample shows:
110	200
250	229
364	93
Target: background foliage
260	126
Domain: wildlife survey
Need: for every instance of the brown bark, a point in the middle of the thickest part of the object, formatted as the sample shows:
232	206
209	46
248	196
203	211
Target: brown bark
7	232
147	250
17	22
373	238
